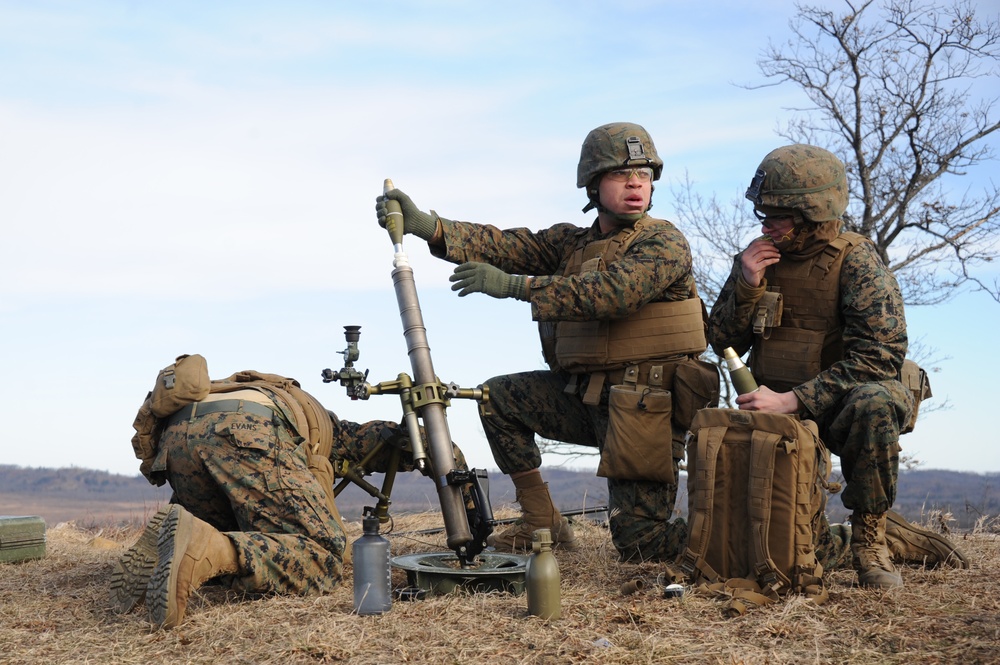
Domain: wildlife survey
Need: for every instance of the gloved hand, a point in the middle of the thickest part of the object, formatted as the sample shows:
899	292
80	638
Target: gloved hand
415	221
475	277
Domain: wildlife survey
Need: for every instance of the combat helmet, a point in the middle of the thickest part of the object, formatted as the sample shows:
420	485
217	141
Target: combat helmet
614	146
801	177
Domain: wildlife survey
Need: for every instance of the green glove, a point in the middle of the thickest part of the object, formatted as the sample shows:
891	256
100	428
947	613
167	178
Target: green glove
475	277
415	221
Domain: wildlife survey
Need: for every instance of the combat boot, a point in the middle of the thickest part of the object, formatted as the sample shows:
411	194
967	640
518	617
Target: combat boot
190	552
871	554
911	544
538	512
132	572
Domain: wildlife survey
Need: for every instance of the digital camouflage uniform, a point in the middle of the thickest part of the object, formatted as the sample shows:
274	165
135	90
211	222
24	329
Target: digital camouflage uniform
248	476
857	400
353	441
656	267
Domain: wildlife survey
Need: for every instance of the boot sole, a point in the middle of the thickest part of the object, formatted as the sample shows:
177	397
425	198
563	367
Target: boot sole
161	594
132	572
880	586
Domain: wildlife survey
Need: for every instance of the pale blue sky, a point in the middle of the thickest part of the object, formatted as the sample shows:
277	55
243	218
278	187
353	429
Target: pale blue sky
193	177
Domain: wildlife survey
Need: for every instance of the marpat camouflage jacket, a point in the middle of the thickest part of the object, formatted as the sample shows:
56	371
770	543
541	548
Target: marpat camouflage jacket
656	267
874	327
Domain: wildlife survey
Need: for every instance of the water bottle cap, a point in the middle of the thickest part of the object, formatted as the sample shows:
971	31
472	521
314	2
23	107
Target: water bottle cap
542	536
370	524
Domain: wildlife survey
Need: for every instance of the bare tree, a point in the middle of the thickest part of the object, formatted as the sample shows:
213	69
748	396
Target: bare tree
897	91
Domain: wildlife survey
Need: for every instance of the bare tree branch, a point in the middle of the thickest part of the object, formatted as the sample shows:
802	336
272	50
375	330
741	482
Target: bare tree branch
891	87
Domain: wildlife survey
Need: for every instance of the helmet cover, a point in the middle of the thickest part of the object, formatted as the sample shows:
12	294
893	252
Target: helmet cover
801	177
614	146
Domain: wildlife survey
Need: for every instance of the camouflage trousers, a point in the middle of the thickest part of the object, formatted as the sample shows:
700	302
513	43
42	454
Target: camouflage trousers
355	441
378	442
863	431
833	545
247	475
536	403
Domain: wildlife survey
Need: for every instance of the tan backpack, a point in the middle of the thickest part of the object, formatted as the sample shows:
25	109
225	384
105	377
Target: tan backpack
757	485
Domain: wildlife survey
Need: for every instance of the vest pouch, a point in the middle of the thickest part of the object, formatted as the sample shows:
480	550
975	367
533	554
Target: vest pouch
768	314
145	441
914	378
639	442
180	384
695	387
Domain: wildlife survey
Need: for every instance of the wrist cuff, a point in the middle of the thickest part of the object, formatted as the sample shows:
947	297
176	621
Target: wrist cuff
517	287
424	225
746	293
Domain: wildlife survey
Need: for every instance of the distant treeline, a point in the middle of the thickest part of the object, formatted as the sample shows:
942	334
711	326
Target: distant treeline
75	482
966	497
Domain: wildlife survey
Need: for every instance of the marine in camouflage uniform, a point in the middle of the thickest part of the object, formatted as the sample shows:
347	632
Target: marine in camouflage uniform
618	164
354	441
837	354
245	505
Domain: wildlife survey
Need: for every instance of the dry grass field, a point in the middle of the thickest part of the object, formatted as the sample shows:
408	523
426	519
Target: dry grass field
56	610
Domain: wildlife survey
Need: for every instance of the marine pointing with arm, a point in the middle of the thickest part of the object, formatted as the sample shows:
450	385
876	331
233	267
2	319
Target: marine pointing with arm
596	291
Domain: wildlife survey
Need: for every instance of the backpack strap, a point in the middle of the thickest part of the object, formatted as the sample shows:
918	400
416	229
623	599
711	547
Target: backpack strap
743	594
692	560
763	448
806	579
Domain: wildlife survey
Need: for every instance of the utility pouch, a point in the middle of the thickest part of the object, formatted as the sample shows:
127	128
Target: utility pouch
768	314
695	387
146	440
639	442
914	378
180	384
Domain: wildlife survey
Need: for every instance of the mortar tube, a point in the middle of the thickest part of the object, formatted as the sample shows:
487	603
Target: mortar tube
439	446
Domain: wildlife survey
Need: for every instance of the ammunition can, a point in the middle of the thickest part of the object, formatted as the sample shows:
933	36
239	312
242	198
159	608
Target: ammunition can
21	538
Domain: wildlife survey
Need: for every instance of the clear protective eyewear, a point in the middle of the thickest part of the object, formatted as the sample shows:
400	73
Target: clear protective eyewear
774	219
644	174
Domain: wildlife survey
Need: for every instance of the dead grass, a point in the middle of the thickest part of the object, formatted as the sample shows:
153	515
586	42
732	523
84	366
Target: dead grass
56	611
